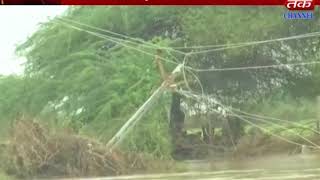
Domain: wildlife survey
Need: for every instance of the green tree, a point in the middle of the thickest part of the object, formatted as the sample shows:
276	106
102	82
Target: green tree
97	84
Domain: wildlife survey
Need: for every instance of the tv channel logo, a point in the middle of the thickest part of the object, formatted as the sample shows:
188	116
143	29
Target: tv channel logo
299	9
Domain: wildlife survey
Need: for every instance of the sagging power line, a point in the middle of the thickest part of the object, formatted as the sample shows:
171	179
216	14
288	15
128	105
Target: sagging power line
251	115
121	42
230	111
252	43
189	67
132	39
256	67
214	48
117	42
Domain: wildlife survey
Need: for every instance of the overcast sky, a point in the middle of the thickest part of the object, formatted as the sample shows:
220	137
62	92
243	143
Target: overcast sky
16	24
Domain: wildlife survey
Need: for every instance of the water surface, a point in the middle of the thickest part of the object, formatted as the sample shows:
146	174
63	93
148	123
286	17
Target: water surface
281	167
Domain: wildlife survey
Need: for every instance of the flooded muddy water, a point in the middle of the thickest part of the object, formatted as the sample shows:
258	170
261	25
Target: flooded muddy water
281	167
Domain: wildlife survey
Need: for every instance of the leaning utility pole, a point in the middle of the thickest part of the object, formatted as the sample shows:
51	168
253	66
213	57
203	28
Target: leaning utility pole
125	129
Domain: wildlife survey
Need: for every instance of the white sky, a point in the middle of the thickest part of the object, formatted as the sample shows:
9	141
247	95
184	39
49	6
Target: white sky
16	24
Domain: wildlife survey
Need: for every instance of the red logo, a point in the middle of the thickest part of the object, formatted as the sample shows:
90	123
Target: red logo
295	5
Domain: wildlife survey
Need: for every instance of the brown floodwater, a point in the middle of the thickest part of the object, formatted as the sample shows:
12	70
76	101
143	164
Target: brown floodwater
279	167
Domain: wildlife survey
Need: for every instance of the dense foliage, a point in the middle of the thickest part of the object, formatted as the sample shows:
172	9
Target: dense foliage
93	85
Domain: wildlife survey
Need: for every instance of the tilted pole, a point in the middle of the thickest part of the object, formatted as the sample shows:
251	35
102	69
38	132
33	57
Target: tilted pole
125	129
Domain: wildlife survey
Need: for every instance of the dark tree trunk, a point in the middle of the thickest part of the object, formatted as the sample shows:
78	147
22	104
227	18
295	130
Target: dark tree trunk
176	122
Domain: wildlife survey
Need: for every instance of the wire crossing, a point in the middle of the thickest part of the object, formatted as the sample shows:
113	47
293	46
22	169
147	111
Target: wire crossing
139	42
230	111
128	39
214	48
121	42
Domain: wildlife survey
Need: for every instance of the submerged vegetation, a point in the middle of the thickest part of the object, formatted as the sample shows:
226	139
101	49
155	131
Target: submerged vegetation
79	88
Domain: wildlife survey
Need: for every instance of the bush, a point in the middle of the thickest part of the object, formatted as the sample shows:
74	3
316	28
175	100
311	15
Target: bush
35	150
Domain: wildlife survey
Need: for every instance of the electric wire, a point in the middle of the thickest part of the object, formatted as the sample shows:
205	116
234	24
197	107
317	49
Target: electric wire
190	53
141	42
274	119
223	47
117	42
255	67
245	44
214	47
198	97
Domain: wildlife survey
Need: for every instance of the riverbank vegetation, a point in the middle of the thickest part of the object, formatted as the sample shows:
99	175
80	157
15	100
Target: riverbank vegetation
83	81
